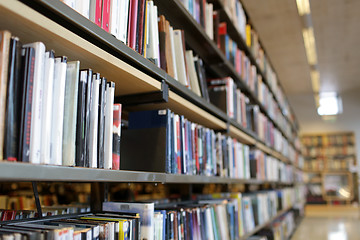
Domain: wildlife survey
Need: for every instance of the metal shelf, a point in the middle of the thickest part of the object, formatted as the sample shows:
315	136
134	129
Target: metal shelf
26	172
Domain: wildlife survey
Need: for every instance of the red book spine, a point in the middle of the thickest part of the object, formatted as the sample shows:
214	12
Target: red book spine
98	11
116	136
133	23
105	23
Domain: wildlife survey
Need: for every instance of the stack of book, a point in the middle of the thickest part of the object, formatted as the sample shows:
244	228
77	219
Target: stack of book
54	112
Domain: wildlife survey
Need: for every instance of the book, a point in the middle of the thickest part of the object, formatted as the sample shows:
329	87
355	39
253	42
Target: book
47	105
172	53
115	18
101	122
105	15
146	129
95	11
13	102
108	131
124	20
132	26
80	118
139	46
200	71
89	94
145	210
37	95
70	113
94	118
180	58
57	120
116	137
27	71
162	42
190	64
152	46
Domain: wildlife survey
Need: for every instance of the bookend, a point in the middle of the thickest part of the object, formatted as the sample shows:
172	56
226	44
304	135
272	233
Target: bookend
145	98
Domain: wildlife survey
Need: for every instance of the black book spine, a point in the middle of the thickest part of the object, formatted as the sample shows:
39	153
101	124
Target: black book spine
101	122
13	104
27	75
80	120
87	117
139	27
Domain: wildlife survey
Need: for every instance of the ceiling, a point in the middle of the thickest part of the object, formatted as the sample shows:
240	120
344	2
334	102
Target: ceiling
337	37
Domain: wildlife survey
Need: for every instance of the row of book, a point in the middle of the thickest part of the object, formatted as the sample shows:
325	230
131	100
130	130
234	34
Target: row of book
217	31
9	215
329	151
224	94
314	165
214	216
265	167
328	140
136	23
184	147
54	112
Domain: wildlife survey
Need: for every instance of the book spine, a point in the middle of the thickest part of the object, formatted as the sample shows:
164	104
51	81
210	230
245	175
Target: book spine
94	118
89	94
133	23
80	120
70	113
98	11
140	26
36	112
4	67
47	104
101	122
105	16
58	110
116	137
13	105
27	68
108	140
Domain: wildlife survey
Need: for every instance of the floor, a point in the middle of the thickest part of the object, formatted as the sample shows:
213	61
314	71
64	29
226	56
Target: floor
328	228
329	223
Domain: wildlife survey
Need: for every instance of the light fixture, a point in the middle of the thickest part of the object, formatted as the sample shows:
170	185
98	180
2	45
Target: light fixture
329	104
309	41
303	7
315	80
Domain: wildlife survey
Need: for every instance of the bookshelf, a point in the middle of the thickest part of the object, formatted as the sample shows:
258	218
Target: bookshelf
330	158
70	34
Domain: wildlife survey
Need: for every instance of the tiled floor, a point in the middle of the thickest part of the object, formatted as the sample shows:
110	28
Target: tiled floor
328	228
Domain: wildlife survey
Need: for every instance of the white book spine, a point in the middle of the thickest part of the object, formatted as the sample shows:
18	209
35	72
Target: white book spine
172	46
47	105
114	17
36	109
156	35
180	61
85	8
94	122
57	112
151	36
108	125
209	26
70	113
194	81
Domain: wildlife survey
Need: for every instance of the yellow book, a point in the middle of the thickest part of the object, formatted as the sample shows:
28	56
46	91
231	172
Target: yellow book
248	35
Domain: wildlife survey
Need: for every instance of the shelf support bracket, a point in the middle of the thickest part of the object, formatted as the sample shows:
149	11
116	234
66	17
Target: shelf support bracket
37	199
161	96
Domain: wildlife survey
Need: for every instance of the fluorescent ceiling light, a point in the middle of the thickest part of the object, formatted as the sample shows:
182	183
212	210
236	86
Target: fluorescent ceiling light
315	80
303	7
309	41
329	104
